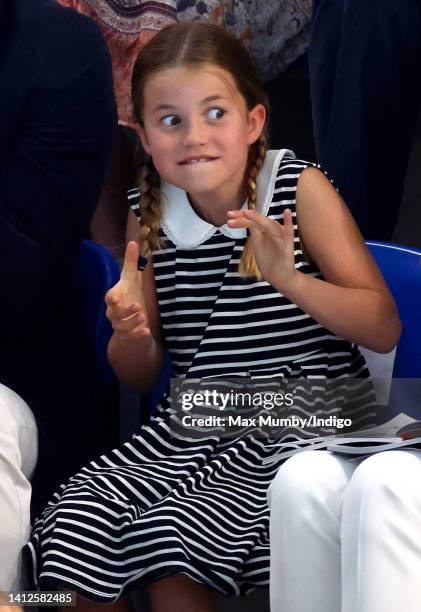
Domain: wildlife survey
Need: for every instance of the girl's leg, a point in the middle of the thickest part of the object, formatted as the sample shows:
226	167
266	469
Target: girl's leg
123	604
381	535
171	594
179	592
305	500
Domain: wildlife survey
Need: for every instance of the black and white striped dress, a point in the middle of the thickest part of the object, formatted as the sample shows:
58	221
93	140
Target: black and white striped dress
161	504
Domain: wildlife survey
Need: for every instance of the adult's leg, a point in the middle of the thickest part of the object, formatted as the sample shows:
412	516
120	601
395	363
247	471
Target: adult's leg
305	499
381	535
18	455
365	61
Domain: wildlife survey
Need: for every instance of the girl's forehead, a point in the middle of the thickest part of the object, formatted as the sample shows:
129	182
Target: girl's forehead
202	80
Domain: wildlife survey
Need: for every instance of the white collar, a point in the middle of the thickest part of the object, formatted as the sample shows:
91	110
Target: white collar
186	229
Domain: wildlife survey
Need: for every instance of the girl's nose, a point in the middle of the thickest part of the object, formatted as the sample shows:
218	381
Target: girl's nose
196	134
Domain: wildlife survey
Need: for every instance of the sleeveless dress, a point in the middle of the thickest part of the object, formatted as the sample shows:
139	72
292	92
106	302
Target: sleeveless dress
162	504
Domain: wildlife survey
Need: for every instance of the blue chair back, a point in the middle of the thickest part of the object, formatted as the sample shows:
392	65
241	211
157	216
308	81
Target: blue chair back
401	268
98	271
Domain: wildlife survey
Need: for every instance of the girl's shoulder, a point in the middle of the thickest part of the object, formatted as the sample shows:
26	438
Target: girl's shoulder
283	181
291	167
277	181
283	164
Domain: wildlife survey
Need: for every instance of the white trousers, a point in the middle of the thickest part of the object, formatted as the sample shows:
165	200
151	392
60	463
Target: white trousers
18	456
346	535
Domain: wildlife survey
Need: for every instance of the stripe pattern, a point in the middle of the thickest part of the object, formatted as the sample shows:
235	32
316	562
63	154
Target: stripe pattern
161	503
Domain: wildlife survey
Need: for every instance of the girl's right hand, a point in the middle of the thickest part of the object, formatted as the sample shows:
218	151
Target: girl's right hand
125	301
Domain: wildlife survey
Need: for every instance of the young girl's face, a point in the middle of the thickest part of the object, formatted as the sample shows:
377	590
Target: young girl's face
197	128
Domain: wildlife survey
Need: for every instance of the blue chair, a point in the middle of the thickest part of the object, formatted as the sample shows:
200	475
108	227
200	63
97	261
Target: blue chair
98	271
401	268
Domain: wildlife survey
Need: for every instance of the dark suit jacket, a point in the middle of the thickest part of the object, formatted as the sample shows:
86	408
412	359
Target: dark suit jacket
57	128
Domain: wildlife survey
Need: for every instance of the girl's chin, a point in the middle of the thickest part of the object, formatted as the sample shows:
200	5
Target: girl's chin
198	187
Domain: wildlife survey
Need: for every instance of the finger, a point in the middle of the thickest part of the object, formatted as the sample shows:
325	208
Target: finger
129	324
235	213
140	331
288	225
129	270
253	219
118	312
245	212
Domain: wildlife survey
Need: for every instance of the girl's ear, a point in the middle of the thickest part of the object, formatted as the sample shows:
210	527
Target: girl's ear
256	122
143	139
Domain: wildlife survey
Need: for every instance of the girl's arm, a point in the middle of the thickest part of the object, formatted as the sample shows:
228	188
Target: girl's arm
353	301
137	354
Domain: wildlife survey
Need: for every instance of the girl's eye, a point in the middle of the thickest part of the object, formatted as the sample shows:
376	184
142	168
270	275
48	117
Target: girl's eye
216	112
171	120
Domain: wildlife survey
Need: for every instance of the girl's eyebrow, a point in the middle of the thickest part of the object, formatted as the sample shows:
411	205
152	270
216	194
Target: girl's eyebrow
204	101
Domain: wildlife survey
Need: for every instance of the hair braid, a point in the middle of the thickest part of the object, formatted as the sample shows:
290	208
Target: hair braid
248	264
150	208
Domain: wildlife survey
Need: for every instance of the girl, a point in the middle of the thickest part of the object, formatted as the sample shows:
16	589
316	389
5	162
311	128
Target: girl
230	290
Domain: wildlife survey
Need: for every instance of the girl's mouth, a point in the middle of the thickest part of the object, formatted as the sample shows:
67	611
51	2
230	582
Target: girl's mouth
196	160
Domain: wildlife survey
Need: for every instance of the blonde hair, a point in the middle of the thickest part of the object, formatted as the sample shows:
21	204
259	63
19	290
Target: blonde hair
196	44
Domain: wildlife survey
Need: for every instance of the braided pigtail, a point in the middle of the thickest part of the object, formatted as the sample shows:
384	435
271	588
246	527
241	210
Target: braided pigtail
248	264
150	208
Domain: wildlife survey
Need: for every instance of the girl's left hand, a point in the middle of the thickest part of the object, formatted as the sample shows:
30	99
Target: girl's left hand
272	242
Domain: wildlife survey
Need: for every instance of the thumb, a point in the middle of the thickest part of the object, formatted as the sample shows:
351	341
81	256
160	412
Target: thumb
129	270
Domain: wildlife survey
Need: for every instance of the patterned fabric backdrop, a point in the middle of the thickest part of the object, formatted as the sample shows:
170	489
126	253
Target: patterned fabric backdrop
127	26
129	16
275	31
